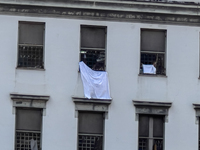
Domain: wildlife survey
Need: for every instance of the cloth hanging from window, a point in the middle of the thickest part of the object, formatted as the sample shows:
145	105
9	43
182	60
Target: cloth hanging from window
149	69
34	144
95	83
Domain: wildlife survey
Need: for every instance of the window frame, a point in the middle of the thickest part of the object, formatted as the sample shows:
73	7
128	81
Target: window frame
199	57
154	52
94	49
152	109
24	101
89	134
43	45
39	143
199	135
150	138
92	105
196	106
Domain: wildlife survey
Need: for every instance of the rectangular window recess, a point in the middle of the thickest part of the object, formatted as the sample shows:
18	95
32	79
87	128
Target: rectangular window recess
93	47
31	45
151	132
197	121
90	130
153	52
28	128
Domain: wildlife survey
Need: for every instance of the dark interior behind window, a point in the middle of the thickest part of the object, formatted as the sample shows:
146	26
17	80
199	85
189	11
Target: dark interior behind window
93	46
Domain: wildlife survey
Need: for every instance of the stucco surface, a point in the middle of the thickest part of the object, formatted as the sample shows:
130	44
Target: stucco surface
61	80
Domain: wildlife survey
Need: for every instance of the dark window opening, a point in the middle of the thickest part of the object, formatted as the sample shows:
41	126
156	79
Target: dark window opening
92	51
28	127
153	43
151	132
30	47
90	134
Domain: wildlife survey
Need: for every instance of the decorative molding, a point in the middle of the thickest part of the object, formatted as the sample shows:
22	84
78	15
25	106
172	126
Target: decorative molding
93	100
31	101
152	108
109	11
32	97
155	104
96	105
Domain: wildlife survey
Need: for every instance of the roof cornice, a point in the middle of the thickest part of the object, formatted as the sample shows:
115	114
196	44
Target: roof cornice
170	13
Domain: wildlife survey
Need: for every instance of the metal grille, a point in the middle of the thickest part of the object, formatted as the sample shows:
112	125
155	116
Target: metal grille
90	142
95	59
158	144
23	140
30	56
143	145
150	58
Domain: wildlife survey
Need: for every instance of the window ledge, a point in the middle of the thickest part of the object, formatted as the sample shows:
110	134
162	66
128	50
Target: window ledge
24	68
152	75
150	104
196	106
92	100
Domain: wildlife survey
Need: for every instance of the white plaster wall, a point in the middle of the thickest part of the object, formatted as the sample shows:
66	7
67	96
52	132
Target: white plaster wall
60	81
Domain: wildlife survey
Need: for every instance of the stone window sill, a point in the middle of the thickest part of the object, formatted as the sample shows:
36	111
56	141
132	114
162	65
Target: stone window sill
152	75
26	68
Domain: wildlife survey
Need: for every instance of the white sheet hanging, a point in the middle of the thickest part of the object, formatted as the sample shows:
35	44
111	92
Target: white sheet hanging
149	69
95	83
34	144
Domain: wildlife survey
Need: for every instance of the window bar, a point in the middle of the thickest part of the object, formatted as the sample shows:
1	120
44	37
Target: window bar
88	48
90	141
23	139
30	56
150	58
90	57
142	144
158	143
153	52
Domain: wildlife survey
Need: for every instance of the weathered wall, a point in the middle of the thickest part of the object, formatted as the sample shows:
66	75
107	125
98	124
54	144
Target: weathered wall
100	0
60	80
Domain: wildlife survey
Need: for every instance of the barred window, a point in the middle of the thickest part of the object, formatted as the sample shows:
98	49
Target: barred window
28	129
30	47
90	131
151	132
93	48
199	133
153	43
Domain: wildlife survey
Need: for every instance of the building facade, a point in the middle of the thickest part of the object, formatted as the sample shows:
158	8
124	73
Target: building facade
42	96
